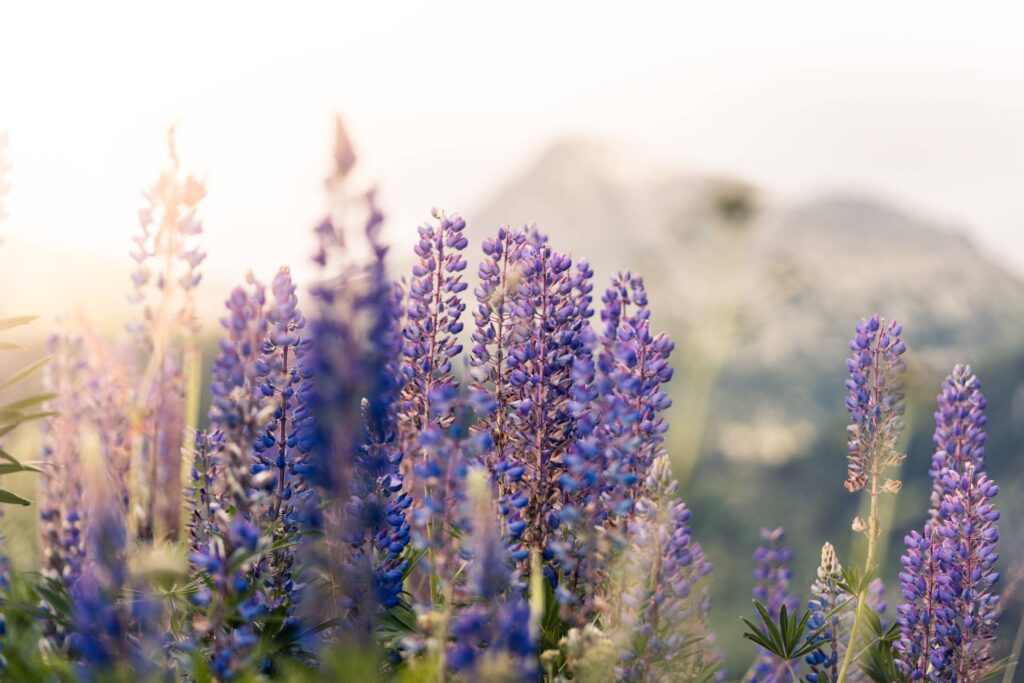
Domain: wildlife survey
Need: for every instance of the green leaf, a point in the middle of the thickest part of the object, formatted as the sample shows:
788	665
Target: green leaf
12	411
12	499
8	323
18	376
14	465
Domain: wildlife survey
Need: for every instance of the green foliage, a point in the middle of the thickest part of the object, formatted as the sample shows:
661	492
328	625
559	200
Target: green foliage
785	639
18	412
878	660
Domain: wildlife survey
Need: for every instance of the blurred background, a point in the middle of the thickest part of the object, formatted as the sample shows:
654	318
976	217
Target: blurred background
775	170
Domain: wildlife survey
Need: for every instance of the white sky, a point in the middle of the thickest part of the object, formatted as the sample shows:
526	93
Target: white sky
922	102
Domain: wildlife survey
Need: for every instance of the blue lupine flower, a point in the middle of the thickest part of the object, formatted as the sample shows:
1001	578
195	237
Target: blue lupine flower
772	574
926	616
823	662
108	630
666	605
551	307
234	404
948	614
959	429
876	400
350	387
61	509
494	629
276	449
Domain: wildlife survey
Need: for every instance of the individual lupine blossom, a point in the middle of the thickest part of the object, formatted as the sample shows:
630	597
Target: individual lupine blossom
61	511
824	661
167	262
772	574
967	522
235	405
546	342
926	615
959	429
663	618
875	402
430	337
490	637
276	449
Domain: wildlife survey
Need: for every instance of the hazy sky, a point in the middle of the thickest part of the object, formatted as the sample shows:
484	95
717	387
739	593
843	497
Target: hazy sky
922	102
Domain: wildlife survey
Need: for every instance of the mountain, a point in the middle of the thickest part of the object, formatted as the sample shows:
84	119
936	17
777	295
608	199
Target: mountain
767	290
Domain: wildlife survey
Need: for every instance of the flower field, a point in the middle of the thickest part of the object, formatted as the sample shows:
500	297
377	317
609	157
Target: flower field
455	473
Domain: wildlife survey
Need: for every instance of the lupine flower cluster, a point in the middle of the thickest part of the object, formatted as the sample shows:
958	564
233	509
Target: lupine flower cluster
876	400
773	572
948	615
363	491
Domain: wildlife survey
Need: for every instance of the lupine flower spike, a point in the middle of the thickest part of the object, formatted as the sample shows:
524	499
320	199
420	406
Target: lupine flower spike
772	574
167	271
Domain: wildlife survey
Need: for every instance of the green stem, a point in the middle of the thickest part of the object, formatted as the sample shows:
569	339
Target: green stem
873	533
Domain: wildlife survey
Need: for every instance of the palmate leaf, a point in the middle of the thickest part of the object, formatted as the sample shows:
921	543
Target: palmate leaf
878	659
785	639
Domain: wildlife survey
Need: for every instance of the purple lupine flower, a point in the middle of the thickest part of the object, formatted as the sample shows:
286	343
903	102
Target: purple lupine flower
350	387
823	662
109	631
968	520
772	574
876	400
951	575
616	404
428	400
433	323
547	339
227	635
61	509
201	497
926	616
492	633
234	404
377	530
167	261
959	429
276	449
495	320
665	610
633	368
625	302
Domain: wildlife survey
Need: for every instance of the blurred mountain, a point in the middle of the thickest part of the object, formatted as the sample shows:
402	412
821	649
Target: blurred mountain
775	287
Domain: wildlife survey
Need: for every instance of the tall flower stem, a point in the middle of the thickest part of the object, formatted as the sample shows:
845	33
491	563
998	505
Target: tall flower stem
862	602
